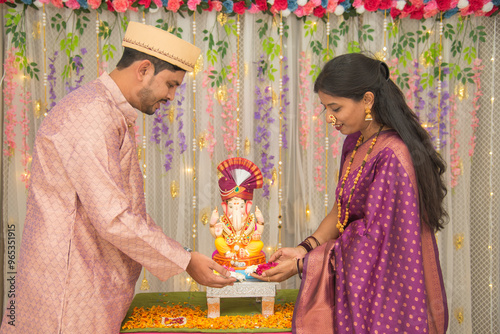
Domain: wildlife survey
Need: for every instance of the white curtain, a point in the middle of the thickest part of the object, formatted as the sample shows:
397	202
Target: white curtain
303	192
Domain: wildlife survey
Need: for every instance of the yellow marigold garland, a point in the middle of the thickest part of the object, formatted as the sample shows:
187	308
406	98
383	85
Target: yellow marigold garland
151	317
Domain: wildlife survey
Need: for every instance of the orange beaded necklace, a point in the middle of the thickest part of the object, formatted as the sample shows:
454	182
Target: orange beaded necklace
341	225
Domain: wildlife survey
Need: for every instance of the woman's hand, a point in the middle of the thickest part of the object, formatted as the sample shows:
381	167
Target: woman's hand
284	270
288	253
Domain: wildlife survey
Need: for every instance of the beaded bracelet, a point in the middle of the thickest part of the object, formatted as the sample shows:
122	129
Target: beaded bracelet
298	269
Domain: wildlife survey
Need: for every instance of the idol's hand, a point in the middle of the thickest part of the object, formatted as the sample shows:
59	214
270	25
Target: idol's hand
288	253
214	218
201	269
218	229
281	272
259	216
256	236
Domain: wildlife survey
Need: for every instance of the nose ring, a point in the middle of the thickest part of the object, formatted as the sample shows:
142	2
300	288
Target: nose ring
332	119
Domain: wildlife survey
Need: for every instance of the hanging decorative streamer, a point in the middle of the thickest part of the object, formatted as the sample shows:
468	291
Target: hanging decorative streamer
304	92
210	137
9	92
477	69
25	99
455	164
142	152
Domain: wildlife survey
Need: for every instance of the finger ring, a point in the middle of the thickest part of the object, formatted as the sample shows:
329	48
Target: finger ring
268	279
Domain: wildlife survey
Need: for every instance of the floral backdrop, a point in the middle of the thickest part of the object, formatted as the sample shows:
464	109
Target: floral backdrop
251	95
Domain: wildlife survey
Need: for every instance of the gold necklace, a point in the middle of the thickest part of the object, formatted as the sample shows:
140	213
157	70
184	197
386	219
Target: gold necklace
341	225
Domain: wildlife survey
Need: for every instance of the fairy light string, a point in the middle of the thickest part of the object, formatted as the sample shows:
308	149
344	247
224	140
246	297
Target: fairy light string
384	48
98	49
194	143
440	60
491	180
145	283
45	79
238	30
326	123
280	162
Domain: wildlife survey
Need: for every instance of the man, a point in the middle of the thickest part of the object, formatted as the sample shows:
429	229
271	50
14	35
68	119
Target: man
87	232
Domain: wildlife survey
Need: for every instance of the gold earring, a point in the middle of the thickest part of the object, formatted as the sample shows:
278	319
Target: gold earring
332	119
368	114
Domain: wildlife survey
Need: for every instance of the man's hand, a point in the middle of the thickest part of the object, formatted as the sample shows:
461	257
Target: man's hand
201	268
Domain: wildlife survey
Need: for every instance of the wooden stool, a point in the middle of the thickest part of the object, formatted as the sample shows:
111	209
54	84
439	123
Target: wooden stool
266	290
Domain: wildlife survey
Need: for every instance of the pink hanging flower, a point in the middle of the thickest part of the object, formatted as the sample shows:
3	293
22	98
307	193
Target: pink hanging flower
477	69
431	9
94	4
120	6
57	3
332	5
304	93
72	4
192	4
217	5
254	9
9	92
174	5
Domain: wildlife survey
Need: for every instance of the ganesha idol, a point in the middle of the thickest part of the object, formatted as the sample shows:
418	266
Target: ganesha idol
238	232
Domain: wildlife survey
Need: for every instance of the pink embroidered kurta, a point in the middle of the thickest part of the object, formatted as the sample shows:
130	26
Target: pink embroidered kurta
86	232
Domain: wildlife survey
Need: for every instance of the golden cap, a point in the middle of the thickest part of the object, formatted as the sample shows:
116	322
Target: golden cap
161	44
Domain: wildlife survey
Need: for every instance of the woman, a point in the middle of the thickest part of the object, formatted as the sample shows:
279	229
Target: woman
372	265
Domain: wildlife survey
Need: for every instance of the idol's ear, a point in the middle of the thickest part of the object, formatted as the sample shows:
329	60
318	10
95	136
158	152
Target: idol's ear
224	207
248	206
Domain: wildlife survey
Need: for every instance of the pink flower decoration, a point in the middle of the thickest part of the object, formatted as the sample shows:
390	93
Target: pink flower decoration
254	9
431	9
174	5
193	3
265	266
57	3
217	5
120	6
332	5
372	5
73	4
94	4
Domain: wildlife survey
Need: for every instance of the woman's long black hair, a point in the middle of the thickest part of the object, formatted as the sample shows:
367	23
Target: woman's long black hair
351	76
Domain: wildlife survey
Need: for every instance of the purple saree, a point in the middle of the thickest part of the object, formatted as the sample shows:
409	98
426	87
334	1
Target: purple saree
382	274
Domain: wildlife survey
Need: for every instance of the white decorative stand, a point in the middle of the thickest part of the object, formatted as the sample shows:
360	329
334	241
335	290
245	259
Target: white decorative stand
266	290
